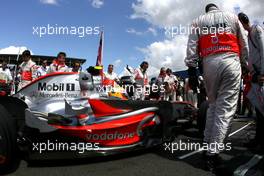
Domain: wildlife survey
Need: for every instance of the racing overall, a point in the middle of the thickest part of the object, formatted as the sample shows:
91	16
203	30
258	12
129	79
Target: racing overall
57	67
110	78
160	82
256	66
221	53
141	83
27	71
171	81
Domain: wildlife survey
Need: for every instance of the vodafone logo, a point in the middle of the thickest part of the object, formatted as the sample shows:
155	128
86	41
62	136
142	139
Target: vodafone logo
110	136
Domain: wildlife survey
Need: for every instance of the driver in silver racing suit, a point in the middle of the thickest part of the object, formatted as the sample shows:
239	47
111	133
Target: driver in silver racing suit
218	38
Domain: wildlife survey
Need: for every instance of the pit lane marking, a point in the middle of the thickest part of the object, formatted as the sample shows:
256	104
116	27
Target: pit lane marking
201	149
243	169
190	154
240	129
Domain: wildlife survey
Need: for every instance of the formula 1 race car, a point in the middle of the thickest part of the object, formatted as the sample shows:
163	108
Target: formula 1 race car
69	115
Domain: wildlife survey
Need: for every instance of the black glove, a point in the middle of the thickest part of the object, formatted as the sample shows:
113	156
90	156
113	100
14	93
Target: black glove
192	72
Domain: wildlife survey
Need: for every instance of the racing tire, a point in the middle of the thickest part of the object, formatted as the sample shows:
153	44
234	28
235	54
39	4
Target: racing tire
9	160
201	117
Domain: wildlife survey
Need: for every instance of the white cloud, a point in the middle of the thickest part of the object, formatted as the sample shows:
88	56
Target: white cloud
149	30
153	31
134	31
175	12
97	3
117	62
171	53
50	2
13	50
167	53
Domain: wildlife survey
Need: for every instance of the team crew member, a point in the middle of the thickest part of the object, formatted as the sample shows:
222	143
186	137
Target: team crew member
110	76
256	67
141	79
27	70
190	94
58	64
141	76
221	51
42	70
5	74
76	67
160	81
162	75
171	82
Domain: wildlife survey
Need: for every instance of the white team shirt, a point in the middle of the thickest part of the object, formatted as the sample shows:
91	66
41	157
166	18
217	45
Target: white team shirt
5	74
171	79
112	76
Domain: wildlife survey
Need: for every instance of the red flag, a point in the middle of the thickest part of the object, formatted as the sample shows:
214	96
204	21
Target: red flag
99	61
100	51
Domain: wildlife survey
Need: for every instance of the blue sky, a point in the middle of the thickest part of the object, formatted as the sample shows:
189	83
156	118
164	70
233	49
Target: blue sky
18	18
134	29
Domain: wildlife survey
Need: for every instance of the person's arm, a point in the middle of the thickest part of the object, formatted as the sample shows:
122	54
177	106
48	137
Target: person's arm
49	69
104	75
260	40
68	69
260	44
166	79
116	78
192	53
176	81
39	73
146	78
186	85
9	75
243	44
34	69
135	73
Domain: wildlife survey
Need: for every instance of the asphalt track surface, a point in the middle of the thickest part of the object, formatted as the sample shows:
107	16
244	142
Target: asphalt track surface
155	162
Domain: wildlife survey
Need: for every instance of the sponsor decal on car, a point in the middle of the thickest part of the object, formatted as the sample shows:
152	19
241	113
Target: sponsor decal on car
37	94
43	86
54	90
110	136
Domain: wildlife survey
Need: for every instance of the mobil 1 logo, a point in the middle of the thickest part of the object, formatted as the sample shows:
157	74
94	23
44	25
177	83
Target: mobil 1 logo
43	86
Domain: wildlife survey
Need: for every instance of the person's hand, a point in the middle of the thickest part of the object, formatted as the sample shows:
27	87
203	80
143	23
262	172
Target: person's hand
245	68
